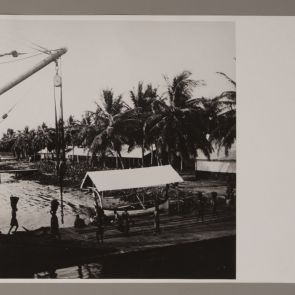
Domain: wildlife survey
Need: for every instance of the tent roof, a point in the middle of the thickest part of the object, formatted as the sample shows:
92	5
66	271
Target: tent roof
131	178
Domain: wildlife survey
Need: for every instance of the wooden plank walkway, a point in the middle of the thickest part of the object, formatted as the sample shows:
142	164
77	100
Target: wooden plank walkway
175	230
79	246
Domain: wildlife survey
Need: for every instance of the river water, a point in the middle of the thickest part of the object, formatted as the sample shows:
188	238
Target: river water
34	203
213	259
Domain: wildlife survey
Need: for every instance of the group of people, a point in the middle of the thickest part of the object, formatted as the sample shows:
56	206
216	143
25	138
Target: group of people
202	201
122	222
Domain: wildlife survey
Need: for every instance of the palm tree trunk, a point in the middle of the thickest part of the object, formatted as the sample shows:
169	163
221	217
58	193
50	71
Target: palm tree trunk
152	153
142	156
157	156
121	160
168	157
73	152
117	162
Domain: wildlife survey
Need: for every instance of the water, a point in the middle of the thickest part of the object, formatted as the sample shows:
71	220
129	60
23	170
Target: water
34	203
85	271
213	259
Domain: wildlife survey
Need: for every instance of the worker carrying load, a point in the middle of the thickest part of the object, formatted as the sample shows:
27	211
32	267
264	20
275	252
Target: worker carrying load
54	226
13	222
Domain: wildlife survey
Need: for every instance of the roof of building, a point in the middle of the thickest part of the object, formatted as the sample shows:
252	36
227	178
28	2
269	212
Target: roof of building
131	178
217	166
135	153
219	154
78	152
45	151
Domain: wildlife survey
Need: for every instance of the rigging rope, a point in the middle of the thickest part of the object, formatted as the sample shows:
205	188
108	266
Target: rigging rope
20	59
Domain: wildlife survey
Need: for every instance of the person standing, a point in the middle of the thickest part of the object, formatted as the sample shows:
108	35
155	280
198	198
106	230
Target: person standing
99	232
201	206
13	222
157	220
54	226
99	219
79	222
116	217
214	203
125	222
157	215
117	221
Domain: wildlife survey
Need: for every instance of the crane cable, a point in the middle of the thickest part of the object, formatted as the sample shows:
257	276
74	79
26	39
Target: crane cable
59	138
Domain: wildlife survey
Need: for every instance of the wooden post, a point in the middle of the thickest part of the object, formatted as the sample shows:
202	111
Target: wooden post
196	167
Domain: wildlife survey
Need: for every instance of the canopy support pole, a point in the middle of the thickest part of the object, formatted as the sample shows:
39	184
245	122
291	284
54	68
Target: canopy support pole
138	198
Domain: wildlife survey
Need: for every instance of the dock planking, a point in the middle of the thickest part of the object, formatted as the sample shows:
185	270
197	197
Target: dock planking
78	246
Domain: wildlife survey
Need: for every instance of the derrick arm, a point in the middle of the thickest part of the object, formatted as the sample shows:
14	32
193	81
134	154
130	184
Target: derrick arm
52	57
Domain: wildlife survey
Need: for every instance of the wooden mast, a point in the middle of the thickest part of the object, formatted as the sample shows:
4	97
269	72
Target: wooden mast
49	59
53	56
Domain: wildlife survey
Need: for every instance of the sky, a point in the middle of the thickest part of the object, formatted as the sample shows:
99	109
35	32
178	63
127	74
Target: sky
112	54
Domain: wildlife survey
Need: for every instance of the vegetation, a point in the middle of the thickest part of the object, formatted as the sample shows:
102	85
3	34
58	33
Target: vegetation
174	125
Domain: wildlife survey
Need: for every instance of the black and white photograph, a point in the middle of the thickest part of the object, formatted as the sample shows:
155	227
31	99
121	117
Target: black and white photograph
117	148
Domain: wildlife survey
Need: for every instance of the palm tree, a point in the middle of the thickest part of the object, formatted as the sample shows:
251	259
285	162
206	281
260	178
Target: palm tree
223	128
111	123
21	145
142	101
7	140
72	130
42	137
178	127
87	131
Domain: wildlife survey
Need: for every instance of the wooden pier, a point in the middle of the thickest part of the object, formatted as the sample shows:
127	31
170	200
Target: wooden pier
78	246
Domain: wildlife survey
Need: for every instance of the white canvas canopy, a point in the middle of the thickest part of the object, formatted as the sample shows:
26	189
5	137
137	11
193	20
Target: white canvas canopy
108	180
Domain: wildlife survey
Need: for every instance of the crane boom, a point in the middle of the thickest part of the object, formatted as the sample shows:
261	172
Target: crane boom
51	58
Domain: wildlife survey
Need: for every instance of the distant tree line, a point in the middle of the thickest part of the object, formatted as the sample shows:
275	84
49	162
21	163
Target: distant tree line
175	125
